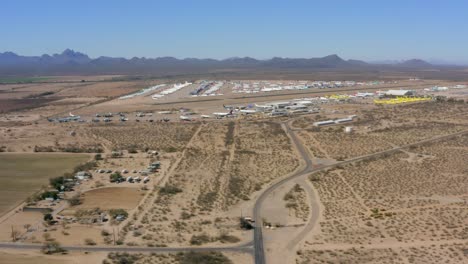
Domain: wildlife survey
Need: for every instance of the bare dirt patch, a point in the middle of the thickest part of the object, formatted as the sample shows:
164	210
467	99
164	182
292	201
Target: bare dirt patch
111	198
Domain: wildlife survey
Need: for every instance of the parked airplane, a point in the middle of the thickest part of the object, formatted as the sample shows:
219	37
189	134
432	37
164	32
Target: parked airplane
223	114
185	118
359	94
248	111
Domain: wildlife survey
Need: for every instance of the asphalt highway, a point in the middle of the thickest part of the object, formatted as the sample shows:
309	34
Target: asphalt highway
257	243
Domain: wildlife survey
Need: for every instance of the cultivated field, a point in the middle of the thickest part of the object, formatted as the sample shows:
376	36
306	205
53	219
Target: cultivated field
407	207
23	174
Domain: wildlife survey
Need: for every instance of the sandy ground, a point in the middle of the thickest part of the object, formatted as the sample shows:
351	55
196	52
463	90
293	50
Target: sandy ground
218	167
397	209
110	198
17	222
24	257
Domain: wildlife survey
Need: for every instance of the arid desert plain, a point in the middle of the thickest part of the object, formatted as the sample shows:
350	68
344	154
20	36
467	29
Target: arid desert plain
113	169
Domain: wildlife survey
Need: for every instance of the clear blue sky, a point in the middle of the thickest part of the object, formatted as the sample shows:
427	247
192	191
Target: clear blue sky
368	30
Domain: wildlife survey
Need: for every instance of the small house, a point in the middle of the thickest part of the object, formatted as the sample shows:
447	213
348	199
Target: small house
395	93
83	175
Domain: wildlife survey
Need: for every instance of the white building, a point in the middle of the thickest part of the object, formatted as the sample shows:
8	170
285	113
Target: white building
399	92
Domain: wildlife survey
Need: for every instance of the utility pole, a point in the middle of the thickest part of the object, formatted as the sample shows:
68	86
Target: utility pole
113	234
13	234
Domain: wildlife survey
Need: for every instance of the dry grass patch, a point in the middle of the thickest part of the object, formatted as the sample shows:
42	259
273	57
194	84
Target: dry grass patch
110	198
168	137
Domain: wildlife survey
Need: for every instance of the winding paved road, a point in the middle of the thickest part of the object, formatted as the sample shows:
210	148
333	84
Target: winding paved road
258	235
257	242
308	169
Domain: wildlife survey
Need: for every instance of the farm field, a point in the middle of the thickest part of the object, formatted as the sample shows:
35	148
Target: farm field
214	170
23	174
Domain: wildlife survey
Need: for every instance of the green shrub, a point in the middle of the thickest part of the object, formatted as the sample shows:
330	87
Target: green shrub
169	190
199	239
202	258
115	212
74	200
52	247
48	217
116	176
89	242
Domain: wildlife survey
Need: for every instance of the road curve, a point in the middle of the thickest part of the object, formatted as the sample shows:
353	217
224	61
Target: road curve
258	236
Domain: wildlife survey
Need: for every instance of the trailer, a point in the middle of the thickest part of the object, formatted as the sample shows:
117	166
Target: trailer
324	123
343	120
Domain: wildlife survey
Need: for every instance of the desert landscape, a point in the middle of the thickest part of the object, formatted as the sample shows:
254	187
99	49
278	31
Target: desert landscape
181	179
234	132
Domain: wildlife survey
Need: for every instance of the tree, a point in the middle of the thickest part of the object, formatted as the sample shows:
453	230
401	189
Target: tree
52	247
116	176
48	217
53	195
75	200
57	182
89	242
98	157
116	212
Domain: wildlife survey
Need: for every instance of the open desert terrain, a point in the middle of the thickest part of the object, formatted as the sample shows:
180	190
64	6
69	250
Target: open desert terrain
101	166
234	132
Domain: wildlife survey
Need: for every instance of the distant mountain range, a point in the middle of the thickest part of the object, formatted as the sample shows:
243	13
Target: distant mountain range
72	62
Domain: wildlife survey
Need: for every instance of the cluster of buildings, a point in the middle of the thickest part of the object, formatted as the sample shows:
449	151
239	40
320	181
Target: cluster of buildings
335	121
207	88
282	108
270	86
444	88
142	92
176	87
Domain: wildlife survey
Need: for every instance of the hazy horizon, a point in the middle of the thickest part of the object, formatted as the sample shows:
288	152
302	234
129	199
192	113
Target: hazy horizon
365	30
432	61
